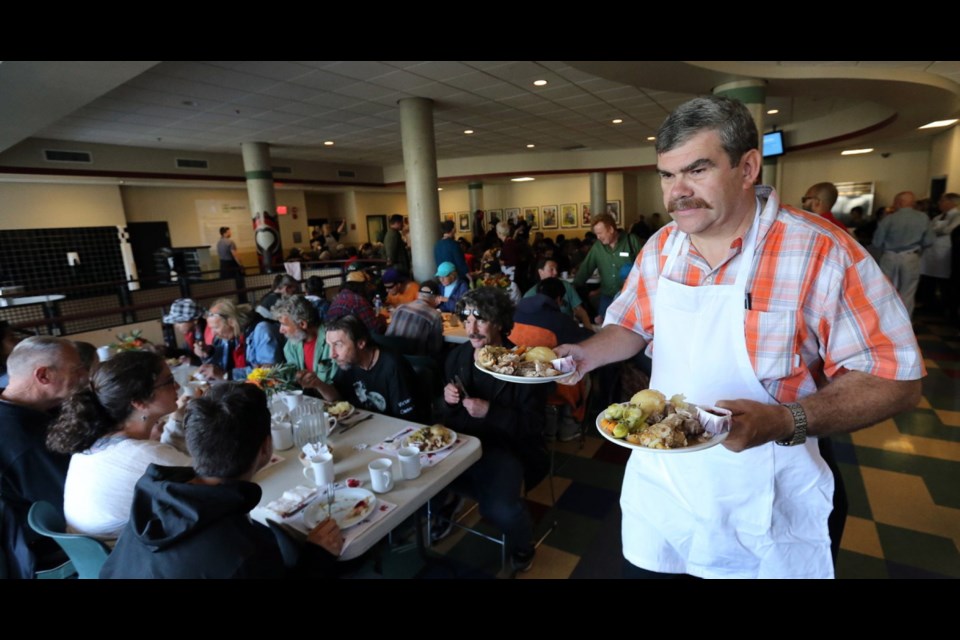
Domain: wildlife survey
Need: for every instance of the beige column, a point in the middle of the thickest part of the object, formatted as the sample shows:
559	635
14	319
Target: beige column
263	204
753	94
420	173
598	192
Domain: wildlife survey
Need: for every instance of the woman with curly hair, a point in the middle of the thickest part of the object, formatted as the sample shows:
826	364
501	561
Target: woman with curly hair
107	427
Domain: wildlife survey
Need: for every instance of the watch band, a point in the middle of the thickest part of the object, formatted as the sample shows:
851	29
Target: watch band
799	426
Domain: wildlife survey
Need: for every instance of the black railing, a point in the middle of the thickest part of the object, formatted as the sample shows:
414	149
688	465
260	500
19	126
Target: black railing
103	305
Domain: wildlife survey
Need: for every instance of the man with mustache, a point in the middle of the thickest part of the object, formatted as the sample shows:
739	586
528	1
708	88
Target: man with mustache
763	310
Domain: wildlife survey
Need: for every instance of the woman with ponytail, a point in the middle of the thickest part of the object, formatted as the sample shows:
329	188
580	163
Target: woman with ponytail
107	427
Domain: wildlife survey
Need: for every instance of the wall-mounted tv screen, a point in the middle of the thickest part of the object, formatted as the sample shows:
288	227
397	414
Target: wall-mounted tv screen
773	144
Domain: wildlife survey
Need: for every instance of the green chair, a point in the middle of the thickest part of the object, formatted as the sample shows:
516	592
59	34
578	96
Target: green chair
87	554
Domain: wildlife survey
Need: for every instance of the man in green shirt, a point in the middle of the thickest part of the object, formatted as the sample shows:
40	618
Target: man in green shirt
571	304
611	255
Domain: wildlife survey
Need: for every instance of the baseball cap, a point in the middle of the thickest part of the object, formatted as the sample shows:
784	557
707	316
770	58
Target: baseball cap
183	310
430	287
356	276
445	269
390	276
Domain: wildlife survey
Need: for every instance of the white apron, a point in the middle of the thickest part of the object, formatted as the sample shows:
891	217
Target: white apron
761	513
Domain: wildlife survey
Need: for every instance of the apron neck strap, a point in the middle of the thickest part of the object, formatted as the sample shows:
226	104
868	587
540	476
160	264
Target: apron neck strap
681	246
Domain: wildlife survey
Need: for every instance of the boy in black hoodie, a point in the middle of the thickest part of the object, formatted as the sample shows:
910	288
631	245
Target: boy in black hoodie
194	523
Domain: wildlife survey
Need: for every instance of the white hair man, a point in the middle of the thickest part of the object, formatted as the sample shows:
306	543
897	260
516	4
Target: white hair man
44	371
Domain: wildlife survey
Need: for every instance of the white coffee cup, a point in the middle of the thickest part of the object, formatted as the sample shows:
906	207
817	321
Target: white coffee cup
409	458
321	469
104	353
381	474
282	435
292	399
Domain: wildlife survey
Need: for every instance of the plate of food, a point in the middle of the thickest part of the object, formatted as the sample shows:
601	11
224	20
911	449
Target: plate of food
431	439
650	422
350	507
523	365
340	410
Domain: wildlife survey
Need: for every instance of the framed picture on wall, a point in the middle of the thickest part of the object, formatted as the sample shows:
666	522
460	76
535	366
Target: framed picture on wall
493	214
463	226
532	216
585	214
613	208
568	216
512	215
452	217
549	216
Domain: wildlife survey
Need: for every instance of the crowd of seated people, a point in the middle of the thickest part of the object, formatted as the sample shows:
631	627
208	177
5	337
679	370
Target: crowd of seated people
98	447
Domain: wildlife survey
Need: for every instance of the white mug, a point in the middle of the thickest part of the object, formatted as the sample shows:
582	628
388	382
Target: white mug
104	353
321	468
409	462
292	399
282	435
381	474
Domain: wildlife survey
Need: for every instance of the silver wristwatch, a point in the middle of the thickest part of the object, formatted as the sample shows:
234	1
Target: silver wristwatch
799	425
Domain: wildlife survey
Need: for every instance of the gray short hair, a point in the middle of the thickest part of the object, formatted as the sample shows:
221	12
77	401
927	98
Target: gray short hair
36	351
729	118
503	229
298	309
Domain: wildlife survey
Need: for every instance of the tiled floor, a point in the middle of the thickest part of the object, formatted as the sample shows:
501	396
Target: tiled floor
902	477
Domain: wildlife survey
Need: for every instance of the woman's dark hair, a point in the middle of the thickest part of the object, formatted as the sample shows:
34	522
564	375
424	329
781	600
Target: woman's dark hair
100	408
314	286
552	288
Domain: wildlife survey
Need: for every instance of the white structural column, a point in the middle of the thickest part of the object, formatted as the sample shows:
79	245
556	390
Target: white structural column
598	192
420	173
752	93
263	204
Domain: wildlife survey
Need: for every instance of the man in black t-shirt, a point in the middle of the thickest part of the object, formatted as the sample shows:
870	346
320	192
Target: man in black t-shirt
368	377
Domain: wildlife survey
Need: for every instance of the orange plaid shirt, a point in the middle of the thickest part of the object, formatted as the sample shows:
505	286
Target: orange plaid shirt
819	303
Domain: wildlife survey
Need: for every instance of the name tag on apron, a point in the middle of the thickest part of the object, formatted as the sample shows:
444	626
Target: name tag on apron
624	254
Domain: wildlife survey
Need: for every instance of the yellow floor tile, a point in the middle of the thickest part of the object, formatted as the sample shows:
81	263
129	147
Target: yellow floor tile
551	564
949	418
903	500
886	436
860	536
931	364
924	403
541	493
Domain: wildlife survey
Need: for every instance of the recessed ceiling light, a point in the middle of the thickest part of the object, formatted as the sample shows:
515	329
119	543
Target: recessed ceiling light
617	120
855	152
938	123
539	83
468	131
531	146
772	112
328	143
439	188
651	138
526	179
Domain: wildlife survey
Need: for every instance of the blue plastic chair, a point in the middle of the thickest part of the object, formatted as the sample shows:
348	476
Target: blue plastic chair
87	554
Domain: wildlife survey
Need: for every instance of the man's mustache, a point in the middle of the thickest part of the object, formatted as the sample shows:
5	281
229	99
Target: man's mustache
688	203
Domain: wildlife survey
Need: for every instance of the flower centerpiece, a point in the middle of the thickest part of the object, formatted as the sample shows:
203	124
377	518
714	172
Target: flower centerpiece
279	377
133	342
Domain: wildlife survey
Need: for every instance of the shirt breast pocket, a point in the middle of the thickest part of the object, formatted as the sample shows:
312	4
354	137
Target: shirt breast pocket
772	343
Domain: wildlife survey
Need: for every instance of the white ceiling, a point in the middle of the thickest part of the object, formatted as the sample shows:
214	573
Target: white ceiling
297	105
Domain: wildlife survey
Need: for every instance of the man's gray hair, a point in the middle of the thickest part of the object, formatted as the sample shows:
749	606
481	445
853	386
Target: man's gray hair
729	118
953	197
503	229
36	351
298	309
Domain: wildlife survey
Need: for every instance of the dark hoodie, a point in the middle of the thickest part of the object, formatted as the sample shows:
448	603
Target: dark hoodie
183	530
